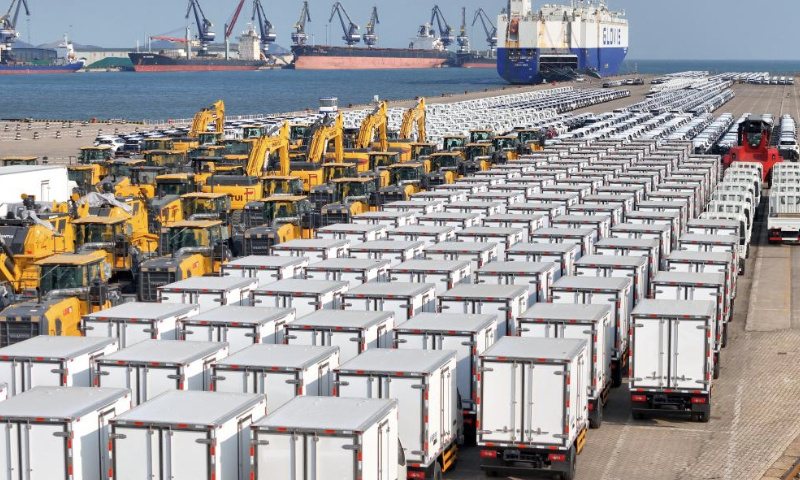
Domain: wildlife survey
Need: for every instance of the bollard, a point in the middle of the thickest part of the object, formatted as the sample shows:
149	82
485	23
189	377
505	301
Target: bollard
78	134
116	131
6	128
36	135
18	127
47	125
30	126
99	132
45	160
18	136
69	125
58	134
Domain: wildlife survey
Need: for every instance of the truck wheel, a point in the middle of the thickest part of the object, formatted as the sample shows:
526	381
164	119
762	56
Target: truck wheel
597	419
616	377
491	473
569	474
725	333
637	415
437	471
742	268
716	366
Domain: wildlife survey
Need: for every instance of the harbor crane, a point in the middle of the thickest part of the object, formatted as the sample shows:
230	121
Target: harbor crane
463	38
8	23
371	38
350	29
491	33
445	30
204	26
268	36
229	26
300	37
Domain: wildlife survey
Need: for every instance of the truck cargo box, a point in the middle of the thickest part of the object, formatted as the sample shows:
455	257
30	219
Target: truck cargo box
305	296
353	332
484	209
624	200
505	238
547	209
208	292
134	322
633	247
477	253
450	219
403	299
635	268
584	238
352	232
714	243
423	233
315	249
350	270
239	326
536	276
527	222
615	211
388	219
563	255
662	233
705	262
49	183
395	251
414	206
266	269
507	302
444	274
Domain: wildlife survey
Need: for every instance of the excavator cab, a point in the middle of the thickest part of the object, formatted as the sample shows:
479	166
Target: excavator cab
95	155
481	135
71	285
206	151
171	159
325	193
454	142
209	138
406	179
142	182
531	140
276	220
506	147
281	185
300	135
239	147
113	236
227	165
11	161
355	195
118	174
419	149
444	169
160	143
332	171
253	131
379	162
175	184
206	206
86	177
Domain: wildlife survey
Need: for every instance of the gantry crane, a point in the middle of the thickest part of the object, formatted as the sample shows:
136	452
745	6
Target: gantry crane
463	38
229	26
491	33
268	36
350	29
8	25
445	30
371	38
300	37
204	26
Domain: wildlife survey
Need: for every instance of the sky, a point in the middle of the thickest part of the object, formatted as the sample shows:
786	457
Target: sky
659	29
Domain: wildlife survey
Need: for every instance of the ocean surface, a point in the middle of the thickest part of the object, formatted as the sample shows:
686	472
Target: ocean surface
160	96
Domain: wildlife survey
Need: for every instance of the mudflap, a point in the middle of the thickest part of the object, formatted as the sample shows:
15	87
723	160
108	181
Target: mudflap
619	369
450	458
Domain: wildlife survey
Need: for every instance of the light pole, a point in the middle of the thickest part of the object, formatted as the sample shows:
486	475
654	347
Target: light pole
327	38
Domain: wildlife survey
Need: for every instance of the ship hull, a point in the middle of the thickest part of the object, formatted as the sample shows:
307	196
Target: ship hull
340	58
39	69
524	66
148	62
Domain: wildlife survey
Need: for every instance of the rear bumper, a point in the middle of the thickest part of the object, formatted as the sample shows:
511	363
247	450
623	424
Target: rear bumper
512	460
780	234
669	402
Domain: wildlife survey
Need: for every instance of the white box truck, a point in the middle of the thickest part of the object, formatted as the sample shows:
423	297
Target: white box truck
673	219
281	372
185	436
387	219
705	262
314	249
46	361
208	292
134	322
318	438
59	432
635	268
403	299
477	253
536	276
593	323
563	255
584	238
153	367
413	206
527	222
533	407
423	233
353	332
305	296
662	233
351	270
633	247
484	209
353	232
671	358
444	274
266	268
505	238
395	251
450	219
600	223
691	242
546	209
616	292
507	302
46	182
424	384
239	326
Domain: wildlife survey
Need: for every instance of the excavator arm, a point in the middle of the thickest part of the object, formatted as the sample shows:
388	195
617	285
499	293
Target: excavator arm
324	135
204	117
378	119
413	116
259	156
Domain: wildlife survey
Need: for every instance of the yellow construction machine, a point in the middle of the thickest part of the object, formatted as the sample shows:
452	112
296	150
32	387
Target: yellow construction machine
477	158
310	168
11	161
481	135
90	168
199	129
354	196
421	149
506	148
274	220
414	116
173	160
531	140
454	143
444	169
406	180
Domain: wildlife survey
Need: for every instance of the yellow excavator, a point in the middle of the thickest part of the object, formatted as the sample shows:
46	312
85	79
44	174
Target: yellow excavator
90	168
421	149
477	157
274	220
310	169
70	285
170	159
199	129
414	116
481	135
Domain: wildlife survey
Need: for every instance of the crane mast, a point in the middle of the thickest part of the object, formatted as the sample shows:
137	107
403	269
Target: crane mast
266	28
204	26
8	25
300	37
463	38
445	30
350	29
371	38
491	29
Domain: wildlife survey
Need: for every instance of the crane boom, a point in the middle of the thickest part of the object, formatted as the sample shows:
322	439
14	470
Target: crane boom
204	26
350	29
463	38
8	22
266	27
300	37
229	28
371	38
445	30
491	29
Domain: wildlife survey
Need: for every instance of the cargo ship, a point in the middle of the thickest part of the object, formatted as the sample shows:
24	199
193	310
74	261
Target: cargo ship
63	61
560	42
476	60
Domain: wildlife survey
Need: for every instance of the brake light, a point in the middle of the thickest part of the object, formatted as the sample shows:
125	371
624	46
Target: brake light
416	475
638	398
699	400
488	454
557	457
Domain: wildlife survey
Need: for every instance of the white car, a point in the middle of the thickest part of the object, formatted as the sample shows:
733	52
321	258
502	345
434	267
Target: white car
114	142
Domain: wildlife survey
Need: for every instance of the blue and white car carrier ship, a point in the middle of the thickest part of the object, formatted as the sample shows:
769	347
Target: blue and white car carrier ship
559	41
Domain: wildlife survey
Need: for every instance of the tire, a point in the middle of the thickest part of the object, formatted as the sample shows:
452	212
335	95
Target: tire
569	474
725	333
637	415
616	378
491	473
437	471
596	420
716	367
742	267
704	416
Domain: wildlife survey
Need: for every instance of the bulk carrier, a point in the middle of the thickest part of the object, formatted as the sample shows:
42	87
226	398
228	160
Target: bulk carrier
559	42
64	62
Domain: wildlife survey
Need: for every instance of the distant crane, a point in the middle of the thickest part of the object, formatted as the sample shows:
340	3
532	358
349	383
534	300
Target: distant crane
268	36
463	38
204	26
300	37
491	33
350	29
371	38
229	27
445	30
8	24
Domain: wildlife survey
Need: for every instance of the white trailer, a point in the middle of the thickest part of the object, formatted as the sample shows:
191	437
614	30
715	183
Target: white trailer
467	335
59	432
563	255
424	233
672	219
315	249
671	358
352	332
45	182
281	372
444	274
415	207
45	361
477	253
134	322
507	302
316	438
626	201
505	238
546	209
450	219
305	296
536	276
592	323
404	299
395	251
565	199
705	262
602	291
635	268
633	247
600	223
185	436
350	270
484	209
153	367
239	326
533	409
424	384
527	222
388	219
208	292
584	238
266	269
352	232
662	233
714	243
615	211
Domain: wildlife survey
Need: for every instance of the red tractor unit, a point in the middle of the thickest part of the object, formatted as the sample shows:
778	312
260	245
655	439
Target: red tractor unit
754	146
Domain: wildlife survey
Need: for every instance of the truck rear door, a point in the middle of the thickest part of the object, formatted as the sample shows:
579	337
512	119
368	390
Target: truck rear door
131	333
11	373
410	398
45	374
502	385
688	354
330	457
119	376
651	353
349	342
136	453
9	450
280	387
502	309
102	329
156	381
234	381
465	363
280	456
239	336
187	455
44	451
200	333
543	408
